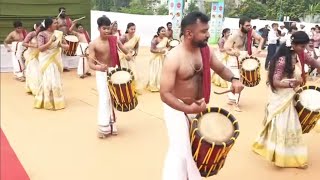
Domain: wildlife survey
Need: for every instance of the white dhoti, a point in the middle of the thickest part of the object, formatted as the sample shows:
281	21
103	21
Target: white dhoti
106	114
83	65
232	64
179	163
18	65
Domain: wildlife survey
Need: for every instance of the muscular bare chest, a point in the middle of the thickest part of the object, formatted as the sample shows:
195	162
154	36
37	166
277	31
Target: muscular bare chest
240	43
62	22
103	52
190	67
17	37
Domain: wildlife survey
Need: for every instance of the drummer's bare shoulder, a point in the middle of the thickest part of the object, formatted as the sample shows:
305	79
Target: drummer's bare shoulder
256	36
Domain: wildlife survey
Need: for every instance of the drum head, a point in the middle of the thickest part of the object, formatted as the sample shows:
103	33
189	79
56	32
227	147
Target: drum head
250	64
120	77
215	127
72	38
174	43
310	99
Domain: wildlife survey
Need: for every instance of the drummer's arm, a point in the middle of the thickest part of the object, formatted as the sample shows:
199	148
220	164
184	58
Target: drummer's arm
71	29
92	57
8	41
228	46
257	37
311	61
64	44
122	48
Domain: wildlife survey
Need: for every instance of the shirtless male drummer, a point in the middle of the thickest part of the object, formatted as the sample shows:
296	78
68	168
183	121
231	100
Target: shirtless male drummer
17	35
236	43
181	90
84	40
64	21
102	55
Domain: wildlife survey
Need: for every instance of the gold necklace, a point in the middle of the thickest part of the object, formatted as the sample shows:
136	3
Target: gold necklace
194	69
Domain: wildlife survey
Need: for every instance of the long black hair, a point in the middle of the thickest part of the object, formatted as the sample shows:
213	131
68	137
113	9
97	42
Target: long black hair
46	23
225	30
297	38
129	26
35	26
158	32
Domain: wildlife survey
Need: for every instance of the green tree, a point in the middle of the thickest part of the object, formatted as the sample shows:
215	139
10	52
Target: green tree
192	7
137	8
252	9
162	10
292	8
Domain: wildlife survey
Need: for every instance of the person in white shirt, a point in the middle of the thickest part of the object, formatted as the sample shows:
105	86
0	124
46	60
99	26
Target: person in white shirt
312	32
288	36
283	34
273	36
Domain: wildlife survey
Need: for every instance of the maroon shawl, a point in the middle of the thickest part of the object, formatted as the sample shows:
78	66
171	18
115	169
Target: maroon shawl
302	61
113	41
68	22
24	33
249	42
206	79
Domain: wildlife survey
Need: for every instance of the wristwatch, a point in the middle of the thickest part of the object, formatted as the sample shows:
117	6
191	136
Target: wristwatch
234	78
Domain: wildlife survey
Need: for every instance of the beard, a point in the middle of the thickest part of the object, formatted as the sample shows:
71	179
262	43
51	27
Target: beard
244	30
200	44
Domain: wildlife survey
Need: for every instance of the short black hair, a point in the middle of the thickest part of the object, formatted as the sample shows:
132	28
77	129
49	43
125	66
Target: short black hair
192	18
78	24
60	8
103	21
243	20
293	28
169	23
300	37
17	24
274	24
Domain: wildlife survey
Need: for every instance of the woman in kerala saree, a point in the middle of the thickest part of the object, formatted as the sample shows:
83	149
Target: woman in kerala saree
280	140
158	49
50	42
30	55
131	41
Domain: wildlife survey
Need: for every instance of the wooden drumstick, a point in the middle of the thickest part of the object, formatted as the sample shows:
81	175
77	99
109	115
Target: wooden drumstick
59	14
95	60
283	80
223	92
79	19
